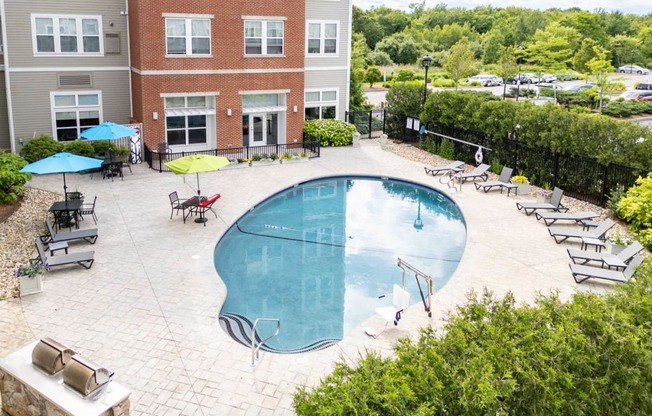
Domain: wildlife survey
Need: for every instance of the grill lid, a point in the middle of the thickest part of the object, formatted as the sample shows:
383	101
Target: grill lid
84	376
51	356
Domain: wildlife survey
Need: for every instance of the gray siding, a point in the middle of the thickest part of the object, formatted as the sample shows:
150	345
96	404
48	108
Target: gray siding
330	79
19	31
331	10
31	99
5	143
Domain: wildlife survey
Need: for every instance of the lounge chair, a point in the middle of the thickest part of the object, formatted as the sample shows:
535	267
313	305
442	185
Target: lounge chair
561	234
579	217
582	273
555	204
84	259
455	166
619	260
502	182
89	234
479	172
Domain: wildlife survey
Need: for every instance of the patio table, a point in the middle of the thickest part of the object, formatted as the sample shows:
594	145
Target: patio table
66	213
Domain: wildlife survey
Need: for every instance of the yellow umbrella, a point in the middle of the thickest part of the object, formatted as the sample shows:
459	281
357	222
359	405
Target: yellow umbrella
196	164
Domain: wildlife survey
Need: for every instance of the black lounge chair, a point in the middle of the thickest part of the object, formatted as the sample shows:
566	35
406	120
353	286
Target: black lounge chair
84	259
89	234
455	166
550	218
582	273
502	182
554	205
619	260
561	234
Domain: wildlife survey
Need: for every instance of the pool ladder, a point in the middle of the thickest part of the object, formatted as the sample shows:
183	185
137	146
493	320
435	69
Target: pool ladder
430	284
451	181
255	349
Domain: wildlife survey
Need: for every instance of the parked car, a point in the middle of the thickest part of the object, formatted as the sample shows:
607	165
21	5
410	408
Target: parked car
548	78
635	95
551	85
520	79
486	80
633	69
578	87
643	86
645	98
568	76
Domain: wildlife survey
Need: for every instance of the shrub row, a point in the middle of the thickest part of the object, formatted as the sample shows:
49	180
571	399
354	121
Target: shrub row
330	132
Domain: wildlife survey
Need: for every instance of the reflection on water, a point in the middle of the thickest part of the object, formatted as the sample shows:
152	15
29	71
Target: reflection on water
317	256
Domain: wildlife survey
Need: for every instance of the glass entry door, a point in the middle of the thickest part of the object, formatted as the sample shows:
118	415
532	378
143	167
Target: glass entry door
260	129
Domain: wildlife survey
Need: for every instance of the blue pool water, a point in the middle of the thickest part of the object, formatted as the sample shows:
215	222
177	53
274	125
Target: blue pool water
318	255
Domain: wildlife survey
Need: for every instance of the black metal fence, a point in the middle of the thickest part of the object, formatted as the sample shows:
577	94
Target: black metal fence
370	124
309	147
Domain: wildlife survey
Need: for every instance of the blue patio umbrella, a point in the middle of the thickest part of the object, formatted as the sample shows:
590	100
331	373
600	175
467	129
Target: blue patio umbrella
62	163
108	131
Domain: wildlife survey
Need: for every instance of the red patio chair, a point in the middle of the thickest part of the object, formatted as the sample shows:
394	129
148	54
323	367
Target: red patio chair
204	206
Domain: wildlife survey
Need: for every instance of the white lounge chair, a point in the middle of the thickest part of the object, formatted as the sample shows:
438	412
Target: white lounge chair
455	166
561	234
582	273
502	182
480	172
554	205
552	217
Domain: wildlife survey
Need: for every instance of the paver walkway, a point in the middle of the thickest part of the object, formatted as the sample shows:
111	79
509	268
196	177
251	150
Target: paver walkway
148	309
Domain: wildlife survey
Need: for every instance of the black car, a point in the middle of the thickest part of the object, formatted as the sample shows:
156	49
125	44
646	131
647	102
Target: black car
643	86
519	79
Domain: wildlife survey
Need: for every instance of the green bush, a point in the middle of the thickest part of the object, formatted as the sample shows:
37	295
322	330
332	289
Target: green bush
447	150
40	147
12	181
362	125
443	83
591	355
621	108
330	132
80	147
403	75
636	208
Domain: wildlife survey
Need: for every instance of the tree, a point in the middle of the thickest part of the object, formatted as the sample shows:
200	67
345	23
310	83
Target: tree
359	52
507	66
552	47
372	75
379	58
401	48
357	98
586	52
600	67
625	49
460	63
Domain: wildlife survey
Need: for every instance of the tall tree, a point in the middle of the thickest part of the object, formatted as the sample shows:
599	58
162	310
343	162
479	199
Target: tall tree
507	65
625	49
460	63
599	67
586	52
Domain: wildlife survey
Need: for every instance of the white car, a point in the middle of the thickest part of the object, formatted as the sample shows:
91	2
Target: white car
633	69
548	78
486	80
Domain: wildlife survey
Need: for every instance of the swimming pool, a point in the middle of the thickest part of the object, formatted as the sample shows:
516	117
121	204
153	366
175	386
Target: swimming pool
317	256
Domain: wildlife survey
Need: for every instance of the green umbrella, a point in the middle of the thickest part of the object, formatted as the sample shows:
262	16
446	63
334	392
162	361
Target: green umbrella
196	164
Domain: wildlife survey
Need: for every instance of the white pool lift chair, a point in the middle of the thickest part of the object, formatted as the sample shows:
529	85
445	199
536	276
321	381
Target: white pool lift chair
400	302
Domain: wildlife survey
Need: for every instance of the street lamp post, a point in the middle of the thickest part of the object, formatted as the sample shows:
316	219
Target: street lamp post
426	62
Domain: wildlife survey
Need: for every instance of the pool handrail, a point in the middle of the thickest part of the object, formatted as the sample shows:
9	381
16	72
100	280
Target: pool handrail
403	265
256	349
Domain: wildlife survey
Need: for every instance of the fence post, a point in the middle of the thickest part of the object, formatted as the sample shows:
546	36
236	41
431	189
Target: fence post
603	194
555	170
356	139
383	141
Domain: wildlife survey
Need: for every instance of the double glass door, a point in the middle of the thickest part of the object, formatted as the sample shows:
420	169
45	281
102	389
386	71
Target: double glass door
259	129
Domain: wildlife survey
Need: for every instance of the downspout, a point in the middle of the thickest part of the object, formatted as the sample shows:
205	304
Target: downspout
131	97
348	61
10	112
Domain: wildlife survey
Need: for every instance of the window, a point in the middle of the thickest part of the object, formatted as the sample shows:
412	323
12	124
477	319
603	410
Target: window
187	119
67	35
188	36
73	112
320	104
322	38
263	37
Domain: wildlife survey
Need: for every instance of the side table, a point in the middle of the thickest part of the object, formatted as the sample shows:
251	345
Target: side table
59	245
596	242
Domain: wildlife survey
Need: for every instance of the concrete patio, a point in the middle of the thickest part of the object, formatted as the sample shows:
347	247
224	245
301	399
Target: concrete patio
148	309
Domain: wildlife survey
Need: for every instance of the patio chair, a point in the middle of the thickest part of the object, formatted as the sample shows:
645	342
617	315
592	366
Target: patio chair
502	182
561	234
205	205
177	205
582	273
555	204
455	166
619	260
84	259
550	218
88	209
480	172
89	234
400	302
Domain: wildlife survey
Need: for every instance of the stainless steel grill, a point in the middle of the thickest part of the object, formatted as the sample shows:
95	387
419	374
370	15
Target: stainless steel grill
50	356
84	376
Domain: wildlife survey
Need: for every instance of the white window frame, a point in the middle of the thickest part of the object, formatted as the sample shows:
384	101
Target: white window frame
263	22
322	37
188	20
321	103
77	108
57	35
207	110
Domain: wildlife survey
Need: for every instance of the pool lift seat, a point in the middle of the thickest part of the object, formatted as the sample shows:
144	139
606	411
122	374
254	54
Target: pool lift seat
394	313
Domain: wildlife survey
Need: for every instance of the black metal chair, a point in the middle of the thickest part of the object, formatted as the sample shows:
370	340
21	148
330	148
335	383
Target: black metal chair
88	209
177	204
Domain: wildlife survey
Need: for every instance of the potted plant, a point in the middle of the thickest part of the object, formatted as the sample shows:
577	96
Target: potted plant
616	243
30	277
544	194
523	184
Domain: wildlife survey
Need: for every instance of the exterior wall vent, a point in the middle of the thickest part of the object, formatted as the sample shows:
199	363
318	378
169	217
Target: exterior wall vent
75	80
112	43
